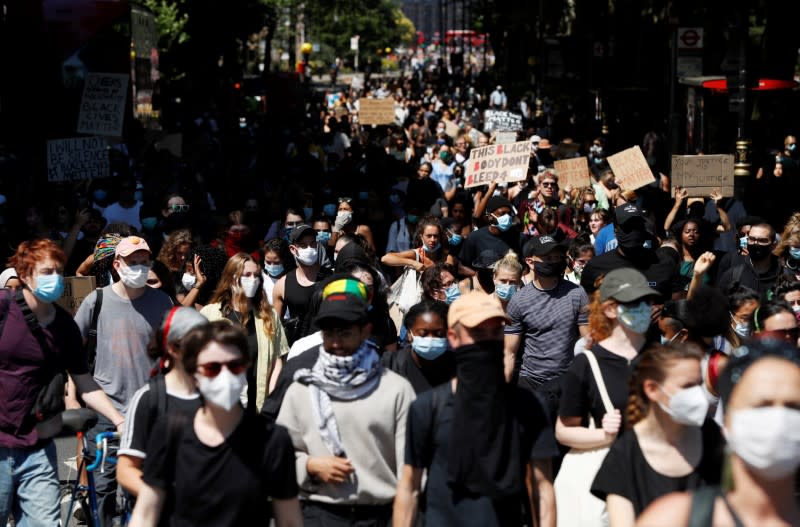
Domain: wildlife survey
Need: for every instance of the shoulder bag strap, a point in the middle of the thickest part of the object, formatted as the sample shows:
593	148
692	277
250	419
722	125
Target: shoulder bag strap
98	304
33	323
702	511
598	379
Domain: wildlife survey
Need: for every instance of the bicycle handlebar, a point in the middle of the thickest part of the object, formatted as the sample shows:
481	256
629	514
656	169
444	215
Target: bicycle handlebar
102	449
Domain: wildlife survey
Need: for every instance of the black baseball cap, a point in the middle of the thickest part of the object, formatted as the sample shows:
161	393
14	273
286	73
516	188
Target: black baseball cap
627	212
341	308
541	245
300	231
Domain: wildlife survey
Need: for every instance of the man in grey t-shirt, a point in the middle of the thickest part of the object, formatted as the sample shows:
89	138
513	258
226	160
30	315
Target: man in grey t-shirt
547	316
129	313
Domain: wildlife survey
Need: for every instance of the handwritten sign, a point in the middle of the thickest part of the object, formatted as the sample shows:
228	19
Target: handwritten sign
376	111
76	288
357	81
77	158
103	104
630	168
701	175
501	163
573	172
501	121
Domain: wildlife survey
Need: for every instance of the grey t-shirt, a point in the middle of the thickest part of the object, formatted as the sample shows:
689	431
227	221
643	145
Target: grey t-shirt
548	323
124	328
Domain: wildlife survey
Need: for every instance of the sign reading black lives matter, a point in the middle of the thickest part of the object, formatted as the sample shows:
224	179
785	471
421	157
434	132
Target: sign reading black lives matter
502	163
103	104
501	121
77	158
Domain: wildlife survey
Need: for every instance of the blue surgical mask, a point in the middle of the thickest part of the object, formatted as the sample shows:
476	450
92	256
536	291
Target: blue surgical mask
323	236
455	239
148	224
429	348
452	293
794	252
100	194
792	147
665	340
49	287
505	291
394	198
504	222
412	218
743	242
274	269
432	249
329	210
635	317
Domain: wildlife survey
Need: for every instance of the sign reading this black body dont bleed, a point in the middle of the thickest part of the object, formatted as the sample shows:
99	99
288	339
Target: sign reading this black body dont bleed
502	163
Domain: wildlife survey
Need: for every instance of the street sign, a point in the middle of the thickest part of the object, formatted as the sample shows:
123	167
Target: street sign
690	38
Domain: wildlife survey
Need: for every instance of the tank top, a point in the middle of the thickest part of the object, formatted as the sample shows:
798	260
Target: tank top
296	296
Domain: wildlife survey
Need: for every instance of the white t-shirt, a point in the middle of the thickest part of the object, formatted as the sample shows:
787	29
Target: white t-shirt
116	213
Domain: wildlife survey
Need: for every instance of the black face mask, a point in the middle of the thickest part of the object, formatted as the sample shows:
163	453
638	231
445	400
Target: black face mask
758	252
549	269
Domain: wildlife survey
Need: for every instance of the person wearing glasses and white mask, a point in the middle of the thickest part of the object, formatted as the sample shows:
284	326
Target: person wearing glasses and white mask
248	459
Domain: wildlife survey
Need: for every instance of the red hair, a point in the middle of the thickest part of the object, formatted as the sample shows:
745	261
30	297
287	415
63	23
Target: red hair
28	253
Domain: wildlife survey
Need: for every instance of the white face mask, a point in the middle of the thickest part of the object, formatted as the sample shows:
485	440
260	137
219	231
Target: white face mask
188	281
250	285
222	390
307	256
134	276
767	439
688	407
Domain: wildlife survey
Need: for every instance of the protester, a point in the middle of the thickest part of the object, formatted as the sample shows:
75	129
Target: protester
498	235
759	269
222	465
507	277
486	444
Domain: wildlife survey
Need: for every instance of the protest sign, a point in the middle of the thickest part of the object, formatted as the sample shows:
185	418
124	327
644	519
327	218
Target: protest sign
501	121
357	81
630	168
502	163
504	138
77	158
76	288
573	172
700	175
102	109
376	111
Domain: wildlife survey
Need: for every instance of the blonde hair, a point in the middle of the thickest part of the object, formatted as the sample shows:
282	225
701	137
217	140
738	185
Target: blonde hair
229	291
511	262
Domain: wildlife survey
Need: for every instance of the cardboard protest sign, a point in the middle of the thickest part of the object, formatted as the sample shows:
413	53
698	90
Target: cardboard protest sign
504	138
501	121
451	129
77	158
76	288
573	172
630	168
501	163
102	109
376	111
700	175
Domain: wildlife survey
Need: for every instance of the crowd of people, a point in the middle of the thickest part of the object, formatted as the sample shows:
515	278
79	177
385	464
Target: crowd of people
343	334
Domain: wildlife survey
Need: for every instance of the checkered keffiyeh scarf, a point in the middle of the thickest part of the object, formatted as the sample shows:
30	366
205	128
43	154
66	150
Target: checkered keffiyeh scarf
345	378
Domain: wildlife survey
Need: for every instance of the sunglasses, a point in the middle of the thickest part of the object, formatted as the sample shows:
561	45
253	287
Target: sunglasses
179	208
212	369
549	184
345	200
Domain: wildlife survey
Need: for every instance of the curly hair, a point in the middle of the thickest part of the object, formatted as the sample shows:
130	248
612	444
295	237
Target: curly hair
230	294
168	255
30	252
425	222
652	364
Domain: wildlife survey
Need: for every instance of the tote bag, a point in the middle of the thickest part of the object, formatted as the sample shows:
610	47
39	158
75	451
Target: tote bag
576	506
405	292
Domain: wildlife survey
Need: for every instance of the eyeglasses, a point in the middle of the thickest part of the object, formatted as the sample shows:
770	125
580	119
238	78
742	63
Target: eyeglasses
179	208
549	184
212	369
758	241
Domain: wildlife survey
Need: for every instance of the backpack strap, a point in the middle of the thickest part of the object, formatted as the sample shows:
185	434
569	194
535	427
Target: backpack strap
702	511
91	339
33	325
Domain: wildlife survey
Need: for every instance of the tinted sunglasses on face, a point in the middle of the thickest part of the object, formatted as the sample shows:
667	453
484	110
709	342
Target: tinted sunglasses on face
212	369
179	208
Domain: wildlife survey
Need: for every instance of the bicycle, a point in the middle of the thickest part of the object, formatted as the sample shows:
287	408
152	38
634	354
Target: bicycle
79	422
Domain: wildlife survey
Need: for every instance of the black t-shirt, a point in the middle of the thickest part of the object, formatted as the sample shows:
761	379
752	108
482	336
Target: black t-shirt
579	393
441	370
625	471
660	270
482	240
226	485
427	444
